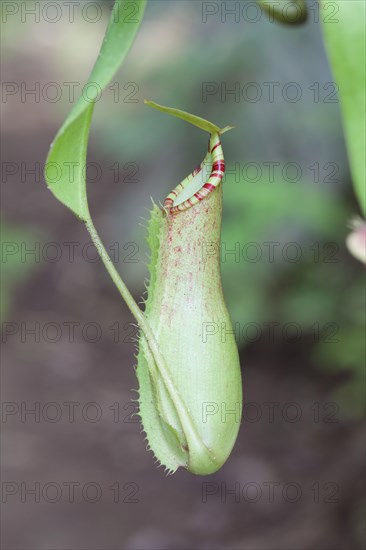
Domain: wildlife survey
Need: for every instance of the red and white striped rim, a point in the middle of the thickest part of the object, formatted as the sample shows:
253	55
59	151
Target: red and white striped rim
214	155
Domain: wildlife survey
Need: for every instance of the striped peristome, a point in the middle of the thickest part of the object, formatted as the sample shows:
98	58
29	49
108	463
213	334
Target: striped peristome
190	396
216	155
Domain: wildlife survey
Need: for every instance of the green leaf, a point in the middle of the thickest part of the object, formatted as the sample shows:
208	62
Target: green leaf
344	35
67	156
201	123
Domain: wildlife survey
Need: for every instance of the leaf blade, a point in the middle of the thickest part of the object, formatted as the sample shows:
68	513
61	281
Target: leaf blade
71	142
345	43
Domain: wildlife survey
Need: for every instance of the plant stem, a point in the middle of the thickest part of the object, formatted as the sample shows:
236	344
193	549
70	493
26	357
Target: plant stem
123	290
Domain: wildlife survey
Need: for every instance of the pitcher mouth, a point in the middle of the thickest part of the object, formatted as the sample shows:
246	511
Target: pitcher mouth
191	191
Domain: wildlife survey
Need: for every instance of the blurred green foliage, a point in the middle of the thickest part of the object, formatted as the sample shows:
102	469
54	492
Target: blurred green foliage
16	266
